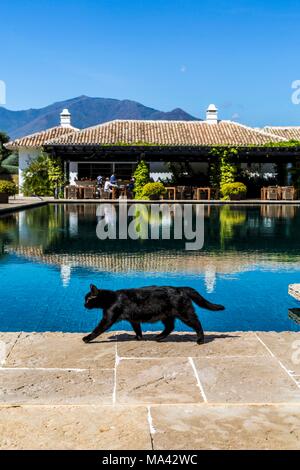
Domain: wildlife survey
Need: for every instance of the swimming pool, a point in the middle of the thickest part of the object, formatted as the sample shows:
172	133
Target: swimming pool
49	255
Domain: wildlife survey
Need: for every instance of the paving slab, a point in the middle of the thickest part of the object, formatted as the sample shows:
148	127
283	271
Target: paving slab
157	381
244	380
52	387
7	342
68	428
185	345
17	204
192	427
65	350
294	291
58	392
285	346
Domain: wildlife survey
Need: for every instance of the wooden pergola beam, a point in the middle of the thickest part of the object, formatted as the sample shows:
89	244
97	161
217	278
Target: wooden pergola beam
175	154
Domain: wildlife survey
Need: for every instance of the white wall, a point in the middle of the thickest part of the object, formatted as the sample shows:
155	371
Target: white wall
26	155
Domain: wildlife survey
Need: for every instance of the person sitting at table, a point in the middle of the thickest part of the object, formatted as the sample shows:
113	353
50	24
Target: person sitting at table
130	185
99	181
113	180
107	186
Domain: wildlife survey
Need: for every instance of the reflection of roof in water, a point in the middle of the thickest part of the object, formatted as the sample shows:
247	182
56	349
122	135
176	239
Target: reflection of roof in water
161	261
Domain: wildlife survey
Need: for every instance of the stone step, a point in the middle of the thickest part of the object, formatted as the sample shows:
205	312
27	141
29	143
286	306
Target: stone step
294	291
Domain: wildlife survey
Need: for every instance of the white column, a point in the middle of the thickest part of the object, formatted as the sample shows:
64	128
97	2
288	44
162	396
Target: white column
210	279
73	224
73	172
65	274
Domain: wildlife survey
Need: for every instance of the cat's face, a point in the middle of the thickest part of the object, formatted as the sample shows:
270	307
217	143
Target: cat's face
91	299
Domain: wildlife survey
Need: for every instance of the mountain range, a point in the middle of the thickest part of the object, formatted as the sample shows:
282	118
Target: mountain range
85	112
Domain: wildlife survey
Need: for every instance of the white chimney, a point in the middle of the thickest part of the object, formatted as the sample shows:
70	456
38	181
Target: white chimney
212	114
65	118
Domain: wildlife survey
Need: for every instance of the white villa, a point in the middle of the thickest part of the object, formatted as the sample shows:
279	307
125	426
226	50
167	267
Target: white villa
117	146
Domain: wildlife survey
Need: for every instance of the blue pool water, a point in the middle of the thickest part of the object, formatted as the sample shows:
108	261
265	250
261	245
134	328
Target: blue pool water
50	255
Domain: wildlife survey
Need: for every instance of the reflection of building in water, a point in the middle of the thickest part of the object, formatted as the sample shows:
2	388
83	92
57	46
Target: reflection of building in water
24	230
294	314
73	224
278	211
268	222
110	215
210	279
160	261
65	274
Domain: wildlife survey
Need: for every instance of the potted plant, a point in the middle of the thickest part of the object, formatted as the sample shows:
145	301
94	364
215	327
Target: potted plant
7	188
153	191
233	191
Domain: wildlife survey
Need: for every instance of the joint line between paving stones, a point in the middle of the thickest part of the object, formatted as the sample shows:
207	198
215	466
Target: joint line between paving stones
117	360
153	405
141	358
152	429
198	379
11	349
279	362
71	369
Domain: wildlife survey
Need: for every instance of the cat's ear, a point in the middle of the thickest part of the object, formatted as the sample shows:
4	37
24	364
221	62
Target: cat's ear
94	289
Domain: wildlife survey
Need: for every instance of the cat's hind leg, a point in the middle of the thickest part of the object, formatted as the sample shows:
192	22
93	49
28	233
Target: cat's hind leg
169	324
137	329
190	319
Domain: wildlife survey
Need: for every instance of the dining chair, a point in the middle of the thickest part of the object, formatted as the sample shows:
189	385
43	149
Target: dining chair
272	193
72	192
288	193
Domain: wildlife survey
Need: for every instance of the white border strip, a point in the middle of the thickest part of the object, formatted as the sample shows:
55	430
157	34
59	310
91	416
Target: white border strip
150	421
198	379
117	362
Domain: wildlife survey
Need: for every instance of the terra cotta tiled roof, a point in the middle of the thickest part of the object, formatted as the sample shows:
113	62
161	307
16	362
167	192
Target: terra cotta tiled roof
171	133
289	133
38	139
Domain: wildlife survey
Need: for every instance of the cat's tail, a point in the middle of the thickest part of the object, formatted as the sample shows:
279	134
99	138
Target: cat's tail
201	301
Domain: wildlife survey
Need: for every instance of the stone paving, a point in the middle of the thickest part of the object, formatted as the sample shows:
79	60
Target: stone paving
19	203
236	391
294	291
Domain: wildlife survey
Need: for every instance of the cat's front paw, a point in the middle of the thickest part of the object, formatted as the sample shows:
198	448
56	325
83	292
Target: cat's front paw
201	340
87	339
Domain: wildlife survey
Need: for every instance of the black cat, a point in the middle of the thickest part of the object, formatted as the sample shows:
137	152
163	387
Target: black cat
148	304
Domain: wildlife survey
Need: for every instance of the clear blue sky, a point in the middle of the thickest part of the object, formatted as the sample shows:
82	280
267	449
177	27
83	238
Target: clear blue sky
240	55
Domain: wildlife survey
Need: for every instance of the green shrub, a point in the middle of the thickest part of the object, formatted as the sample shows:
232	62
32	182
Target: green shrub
11	160
152	190
9	169
10	165
42	176
223	170
141	178
8	187
233	189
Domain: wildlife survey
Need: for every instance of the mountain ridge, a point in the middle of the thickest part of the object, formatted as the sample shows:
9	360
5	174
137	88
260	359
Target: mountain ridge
85	112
